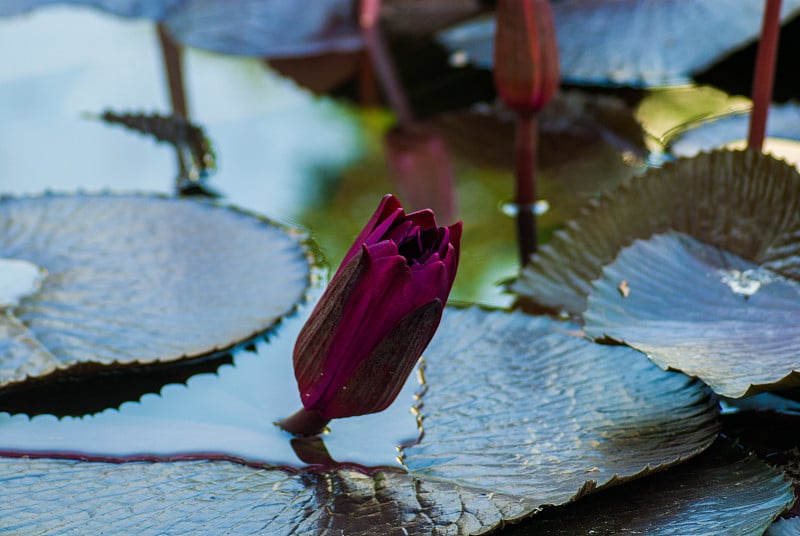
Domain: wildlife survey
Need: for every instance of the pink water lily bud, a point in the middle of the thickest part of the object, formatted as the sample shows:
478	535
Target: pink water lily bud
376	317
526	70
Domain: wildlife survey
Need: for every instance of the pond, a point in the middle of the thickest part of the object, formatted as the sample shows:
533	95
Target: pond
468	433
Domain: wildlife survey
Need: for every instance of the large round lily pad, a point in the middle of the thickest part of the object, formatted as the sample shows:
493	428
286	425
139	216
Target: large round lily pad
270	28
134	279
701	310
633	42
518	412
707	495
743	201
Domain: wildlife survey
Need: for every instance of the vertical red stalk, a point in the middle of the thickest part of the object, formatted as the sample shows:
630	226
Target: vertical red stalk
369	13
526	74
764	74
172	63
525	156
171	52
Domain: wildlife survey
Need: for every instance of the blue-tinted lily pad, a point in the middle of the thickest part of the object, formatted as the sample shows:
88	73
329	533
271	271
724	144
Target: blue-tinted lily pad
784	527
633	43
136	279
744	202
783	122
701	310
519	412
269	28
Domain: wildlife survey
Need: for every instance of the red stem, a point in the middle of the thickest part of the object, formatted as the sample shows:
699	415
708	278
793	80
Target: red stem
764	73
382	61
171	52
525	154
304	423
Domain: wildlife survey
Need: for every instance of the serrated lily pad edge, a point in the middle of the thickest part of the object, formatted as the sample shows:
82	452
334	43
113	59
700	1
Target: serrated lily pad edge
317	271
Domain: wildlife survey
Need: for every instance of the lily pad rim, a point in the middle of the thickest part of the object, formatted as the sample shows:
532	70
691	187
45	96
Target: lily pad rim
317	269
752	389
589	486
595	205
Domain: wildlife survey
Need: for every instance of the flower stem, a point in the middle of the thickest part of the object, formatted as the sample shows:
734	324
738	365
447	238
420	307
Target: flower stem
764	74
304	423
171	52
525	155
382	61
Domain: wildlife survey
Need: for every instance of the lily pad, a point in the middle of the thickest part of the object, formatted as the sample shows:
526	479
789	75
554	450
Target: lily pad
784	527
630	42
268	28
134	279
518	413
783	122
573	121
537	411
742	201
703	311
704	496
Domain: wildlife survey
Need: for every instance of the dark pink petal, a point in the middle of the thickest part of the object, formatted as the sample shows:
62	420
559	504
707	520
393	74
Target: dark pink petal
424	218
399	231
432	280
388	365
388	210
312	349
377	302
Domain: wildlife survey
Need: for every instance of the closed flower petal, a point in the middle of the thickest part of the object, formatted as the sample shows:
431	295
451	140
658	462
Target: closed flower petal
378	313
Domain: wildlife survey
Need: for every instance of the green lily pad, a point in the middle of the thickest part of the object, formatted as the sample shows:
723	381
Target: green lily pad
518	413
744	202
134	279
707	495
703	311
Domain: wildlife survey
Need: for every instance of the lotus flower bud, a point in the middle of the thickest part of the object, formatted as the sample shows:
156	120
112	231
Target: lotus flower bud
376	317
526	70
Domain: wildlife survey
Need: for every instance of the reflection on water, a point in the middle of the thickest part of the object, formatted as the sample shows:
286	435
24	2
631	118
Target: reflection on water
229	414
18	278
746	282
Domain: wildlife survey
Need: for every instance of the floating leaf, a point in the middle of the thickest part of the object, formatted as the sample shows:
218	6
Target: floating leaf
545	415
707	495
743	202
703	311
268	28
784	527
631	42
517	415
573	121
783	122
423	17
137	279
